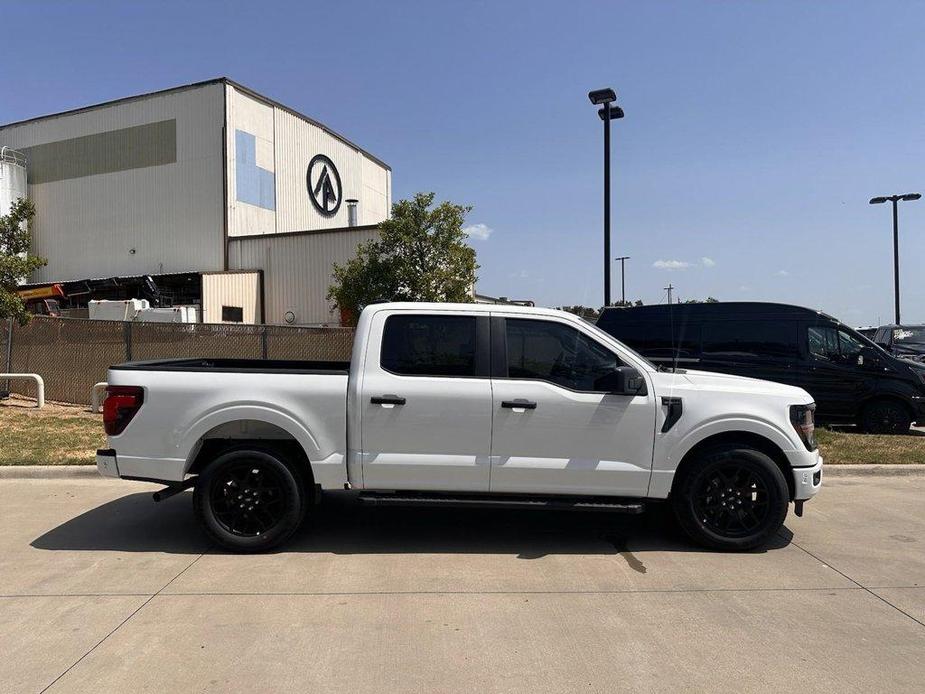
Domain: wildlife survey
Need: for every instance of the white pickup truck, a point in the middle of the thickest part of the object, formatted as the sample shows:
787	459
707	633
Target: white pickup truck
464	404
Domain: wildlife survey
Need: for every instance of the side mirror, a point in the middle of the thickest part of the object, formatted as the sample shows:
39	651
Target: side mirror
625	380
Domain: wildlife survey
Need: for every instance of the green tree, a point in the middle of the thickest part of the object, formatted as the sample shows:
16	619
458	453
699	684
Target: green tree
420	255
15	262
708	300
586	312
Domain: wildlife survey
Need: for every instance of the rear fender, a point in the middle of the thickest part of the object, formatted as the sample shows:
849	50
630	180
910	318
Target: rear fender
190	439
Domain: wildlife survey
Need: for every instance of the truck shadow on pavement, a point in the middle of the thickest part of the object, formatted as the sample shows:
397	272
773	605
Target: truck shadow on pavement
134	523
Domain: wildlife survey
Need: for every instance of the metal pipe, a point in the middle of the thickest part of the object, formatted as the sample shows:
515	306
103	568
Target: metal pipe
896	258
607	204
39	386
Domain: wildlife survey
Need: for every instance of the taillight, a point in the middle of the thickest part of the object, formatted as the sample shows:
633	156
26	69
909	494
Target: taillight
120	405
803	420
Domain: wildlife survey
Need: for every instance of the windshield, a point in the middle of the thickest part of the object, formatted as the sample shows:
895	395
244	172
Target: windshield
607	337
909	335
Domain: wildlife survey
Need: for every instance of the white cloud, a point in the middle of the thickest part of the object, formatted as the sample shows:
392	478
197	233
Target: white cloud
782	273
670	264
707	262
478	231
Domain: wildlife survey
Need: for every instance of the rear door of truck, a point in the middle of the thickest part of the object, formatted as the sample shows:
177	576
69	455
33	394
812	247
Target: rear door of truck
426	402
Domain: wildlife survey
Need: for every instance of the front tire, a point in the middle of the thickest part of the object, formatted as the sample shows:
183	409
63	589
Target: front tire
731	498
249	500
885	417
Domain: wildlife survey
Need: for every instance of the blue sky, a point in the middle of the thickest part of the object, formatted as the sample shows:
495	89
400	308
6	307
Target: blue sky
755	132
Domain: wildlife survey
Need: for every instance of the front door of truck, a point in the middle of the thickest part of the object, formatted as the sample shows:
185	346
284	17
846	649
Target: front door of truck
426	402
555	431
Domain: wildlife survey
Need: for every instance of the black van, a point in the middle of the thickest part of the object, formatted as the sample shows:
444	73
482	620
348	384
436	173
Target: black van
851	379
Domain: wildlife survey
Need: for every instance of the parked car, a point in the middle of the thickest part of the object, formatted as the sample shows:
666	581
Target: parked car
868	331
464	404
851	379
904	341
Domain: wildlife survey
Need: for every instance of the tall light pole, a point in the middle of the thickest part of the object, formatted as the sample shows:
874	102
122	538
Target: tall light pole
906	197
604	98
623	259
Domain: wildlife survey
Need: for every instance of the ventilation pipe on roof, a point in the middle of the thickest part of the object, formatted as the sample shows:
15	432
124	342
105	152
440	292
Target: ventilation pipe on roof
352	212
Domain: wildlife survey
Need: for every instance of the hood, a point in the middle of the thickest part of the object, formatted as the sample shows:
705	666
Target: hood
710	380
909	350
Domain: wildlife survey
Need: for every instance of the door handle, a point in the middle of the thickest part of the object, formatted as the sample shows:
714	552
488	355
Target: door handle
519	403
387	399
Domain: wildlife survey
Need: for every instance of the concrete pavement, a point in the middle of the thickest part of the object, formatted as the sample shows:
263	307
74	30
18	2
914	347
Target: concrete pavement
103	590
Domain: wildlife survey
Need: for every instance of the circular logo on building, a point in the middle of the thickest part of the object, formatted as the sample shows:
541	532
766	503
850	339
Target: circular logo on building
324	186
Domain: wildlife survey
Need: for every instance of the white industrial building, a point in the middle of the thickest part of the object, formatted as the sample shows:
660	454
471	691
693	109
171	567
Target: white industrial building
208	193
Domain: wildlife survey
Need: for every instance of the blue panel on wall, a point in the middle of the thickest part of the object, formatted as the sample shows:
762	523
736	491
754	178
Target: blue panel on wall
254	185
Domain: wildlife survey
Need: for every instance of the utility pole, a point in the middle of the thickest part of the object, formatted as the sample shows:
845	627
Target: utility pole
623	259
670	287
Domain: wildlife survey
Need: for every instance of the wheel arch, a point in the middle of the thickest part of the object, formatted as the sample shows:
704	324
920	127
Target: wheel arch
734	438
239	426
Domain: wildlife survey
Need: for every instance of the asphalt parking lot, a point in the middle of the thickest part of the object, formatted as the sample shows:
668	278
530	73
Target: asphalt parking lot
103	590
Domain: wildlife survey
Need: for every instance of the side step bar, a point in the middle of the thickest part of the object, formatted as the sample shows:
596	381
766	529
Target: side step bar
614	505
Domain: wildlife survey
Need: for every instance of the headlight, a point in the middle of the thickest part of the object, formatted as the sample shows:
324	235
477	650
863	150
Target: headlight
803	419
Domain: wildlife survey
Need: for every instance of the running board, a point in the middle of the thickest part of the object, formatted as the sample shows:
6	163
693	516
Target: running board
505	502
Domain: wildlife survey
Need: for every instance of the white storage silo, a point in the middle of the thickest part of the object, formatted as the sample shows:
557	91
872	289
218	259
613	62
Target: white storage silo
12	178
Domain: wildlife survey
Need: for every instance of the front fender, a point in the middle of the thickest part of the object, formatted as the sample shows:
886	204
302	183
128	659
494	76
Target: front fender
671	449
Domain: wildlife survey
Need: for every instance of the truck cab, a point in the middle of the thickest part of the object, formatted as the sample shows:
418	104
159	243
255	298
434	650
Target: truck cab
465	404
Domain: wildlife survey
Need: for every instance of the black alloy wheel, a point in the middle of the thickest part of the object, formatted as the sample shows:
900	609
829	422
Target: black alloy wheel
732	501
732	497
885	417
249	500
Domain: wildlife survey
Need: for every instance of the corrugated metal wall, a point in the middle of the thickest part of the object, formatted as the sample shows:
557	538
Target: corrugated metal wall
295	141
145	220
240	289
297	270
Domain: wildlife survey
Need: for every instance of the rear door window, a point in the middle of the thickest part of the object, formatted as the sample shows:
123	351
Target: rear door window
421	345
751	339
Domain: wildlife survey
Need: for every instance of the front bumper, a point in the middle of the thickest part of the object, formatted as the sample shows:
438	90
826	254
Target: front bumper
106	463
918	409
807	481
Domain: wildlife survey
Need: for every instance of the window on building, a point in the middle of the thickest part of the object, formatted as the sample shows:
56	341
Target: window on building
429	345
232	314
558	353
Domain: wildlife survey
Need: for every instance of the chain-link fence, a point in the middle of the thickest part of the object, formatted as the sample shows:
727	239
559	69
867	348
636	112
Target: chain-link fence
6	330
72	354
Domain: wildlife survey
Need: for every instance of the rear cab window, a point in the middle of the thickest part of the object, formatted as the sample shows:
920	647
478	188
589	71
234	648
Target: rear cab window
429	345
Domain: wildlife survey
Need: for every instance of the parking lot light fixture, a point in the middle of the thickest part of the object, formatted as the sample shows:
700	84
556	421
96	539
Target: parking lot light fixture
608	112
906	197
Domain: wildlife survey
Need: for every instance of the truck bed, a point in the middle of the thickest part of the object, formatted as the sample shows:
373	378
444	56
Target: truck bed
340	368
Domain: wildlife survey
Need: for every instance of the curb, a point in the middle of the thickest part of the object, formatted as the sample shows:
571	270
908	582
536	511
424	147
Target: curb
48	472
59	472
908	470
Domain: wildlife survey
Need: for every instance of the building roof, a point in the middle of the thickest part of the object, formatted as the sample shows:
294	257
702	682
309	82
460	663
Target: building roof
218	80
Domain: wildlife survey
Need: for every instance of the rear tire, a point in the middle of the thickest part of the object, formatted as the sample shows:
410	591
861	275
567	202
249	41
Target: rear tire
732	498
885	417
249	500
